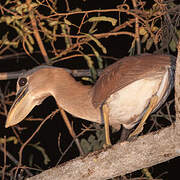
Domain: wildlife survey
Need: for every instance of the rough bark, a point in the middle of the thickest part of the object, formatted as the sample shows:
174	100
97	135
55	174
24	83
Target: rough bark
120	159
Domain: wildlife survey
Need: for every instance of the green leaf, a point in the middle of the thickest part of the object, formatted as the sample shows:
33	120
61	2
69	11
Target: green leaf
91	66
14	44
93	28
98	43
100	60
103	18
132	48
144	38
172	45
30	47
89	61
87	79
67	39
178	33
39	148
96	145
67	22
5	41
31	39
9	139
7	19
142	31
19	31
20	9
149	43
86	146
31	157
91	138
53	23
154	29
7	2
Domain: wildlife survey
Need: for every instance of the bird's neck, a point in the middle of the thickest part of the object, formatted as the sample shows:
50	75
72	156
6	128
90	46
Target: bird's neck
75	98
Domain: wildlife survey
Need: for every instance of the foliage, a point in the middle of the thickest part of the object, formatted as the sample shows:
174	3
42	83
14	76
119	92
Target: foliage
66	34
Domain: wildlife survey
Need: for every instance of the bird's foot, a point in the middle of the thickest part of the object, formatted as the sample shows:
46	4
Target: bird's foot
106	146
132	138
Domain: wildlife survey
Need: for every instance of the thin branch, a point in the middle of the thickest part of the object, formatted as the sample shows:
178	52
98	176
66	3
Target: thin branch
120	9
30	138
83	41
75	73
5	159
10	75
12	56
67	6
13	159
138	42
71	130
36	32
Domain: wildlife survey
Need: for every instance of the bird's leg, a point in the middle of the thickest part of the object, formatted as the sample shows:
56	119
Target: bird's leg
150	108
71	131
105	111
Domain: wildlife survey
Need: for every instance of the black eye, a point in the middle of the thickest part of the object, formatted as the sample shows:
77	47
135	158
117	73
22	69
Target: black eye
22	81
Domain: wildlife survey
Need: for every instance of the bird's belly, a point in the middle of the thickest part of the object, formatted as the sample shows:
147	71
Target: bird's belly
127	104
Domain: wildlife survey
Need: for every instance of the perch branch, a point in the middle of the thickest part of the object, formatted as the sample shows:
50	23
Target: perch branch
120	159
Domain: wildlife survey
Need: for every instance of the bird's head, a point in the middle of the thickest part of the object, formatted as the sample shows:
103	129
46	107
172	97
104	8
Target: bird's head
32	88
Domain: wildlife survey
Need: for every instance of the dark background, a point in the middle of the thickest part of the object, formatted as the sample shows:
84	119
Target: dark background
117	46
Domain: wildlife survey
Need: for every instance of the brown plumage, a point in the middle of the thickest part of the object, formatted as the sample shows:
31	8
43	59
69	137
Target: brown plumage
127	70
126	86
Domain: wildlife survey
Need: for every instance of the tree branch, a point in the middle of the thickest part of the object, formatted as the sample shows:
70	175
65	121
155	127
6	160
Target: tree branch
177	97
120	159
36	33
75	73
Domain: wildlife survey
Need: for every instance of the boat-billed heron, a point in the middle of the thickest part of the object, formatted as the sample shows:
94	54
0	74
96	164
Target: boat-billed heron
125	93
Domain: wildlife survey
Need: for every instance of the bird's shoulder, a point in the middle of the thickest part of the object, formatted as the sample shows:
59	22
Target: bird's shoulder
125	71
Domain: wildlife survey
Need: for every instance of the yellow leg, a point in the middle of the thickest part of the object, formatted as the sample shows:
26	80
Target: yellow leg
106	123
151	106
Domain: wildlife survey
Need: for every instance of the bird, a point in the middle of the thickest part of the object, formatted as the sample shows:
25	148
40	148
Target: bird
124	95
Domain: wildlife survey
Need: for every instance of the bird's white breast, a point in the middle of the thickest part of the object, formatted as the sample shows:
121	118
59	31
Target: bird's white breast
128	103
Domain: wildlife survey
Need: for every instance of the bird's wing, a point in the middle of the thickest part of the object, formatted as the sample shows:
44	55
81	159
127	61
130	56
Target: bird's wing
125	71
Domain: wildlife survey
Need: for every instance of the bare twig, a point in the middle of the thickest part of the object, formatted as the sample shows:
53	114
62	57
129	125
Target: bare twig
63	153
75	73
67	6
71	131
13	159
29	139
137	29
5	160
10	75
36	32
12	56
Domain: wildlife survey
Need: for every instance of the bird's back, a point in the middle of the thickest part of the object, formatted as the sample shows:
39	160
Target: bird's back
128	70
